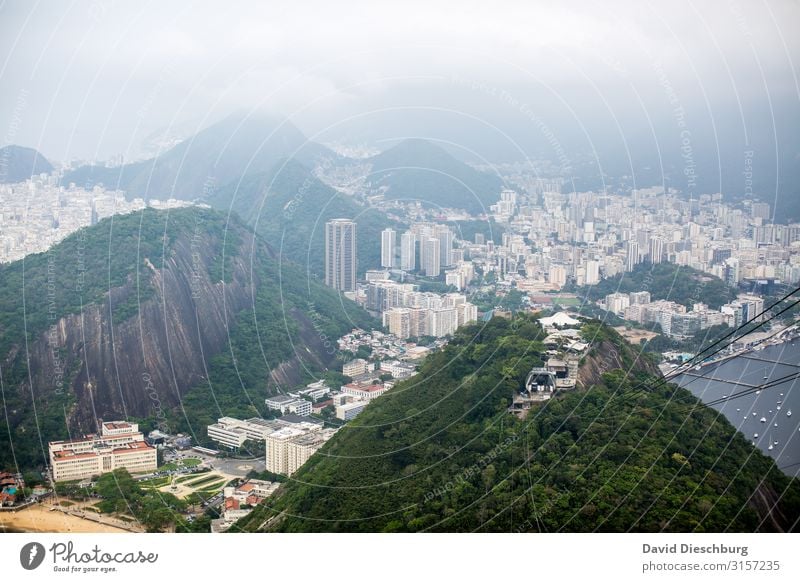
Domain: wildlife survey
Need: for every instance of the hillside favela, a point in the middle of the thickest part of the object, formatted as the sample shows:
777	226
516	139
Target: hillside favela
441	278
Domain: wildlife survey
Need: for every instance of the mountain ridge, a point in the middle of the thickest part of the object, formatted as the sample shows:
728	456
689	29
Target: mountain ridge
418	169
234	147
18	163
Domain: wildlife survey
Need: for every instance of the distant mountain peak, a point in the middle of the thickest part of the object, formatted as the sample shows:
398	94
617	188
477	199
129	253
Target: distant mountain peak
419	169
18	163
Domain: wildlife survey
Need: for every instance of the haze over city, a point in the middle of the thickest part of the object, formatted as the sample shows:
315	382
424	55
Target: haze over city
452	267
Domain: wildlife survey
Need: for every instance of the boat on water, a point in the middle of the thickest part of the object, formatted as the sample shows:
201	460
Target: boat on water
755	435
789	412
763	419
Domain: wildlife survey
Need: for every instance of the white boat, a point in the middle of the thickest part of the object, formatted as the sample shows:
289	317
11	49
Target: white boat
778	407
754	414
766	377
738	410
770	447
755	435
763	419
758	391
789	412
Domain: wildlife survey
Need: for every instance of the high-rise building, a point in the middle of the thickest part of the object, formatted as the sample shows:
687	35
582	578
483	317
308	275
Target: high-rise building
340	254
592	272
557	275
656	249
408	251
445	236
431	258
760	210
632	255
388	244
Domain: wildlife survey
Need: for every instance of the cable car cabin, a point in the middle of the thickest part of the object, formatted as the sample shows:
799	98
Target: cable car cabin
540	380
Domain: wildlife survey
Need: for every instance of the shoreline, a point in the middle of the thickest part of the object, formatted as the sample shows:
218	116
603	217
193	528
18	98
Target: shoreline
40	519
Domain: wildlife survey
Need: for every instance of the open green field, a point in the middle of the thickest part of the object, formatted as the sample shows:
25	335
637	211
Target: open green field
566	301
182	464
204	481
191	477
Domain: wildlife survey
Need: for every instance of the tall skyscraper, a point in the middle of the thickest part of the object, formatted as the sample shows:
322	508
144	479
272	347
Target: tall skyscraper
431	258
388	244
656	249
340	254
445	236
408	251
632	255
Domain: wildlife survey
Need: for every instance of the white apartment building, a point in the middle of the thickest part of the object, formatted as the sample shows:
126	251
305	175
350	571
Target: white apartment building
388	245
300	449
277	456
289	447
350	410
119	445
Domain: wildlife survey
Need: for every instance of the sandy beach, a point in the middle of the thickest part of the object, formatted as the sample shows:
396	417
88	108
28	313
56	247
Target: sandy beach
40	519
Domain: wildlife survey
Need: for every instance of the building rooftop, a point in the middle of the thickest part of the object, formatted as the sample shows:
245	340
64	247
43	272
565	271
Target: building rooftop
280	399
297	419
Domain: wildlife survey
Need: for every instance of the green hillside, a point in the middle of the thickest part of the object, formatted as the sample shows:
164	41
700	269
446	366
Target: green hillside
288	207
17	164
416	169
236	146
439	452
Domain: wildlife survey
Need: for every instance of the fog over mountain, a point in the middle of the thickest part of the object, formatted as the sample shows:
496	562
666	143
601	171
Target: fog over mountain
618	86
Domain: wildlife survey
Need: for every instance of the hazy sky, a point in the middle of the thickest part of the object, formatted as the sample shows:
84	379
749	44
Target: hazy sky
92	79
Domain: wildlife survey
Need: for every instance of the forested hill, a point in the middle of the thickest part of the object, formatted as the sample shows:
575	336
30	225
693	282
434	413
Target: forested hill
439	452
683	285
172	317
416	169
227	150
17	164
288	206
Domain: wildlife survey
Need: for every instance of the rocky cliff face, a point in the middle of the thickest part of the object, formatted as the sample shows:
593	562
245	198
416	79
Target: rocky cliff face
128	367
606	356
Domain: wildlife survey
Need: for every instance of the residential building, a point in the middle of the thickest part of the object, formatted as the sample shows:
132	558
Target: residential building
388	246
408	251
356	367
340	254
